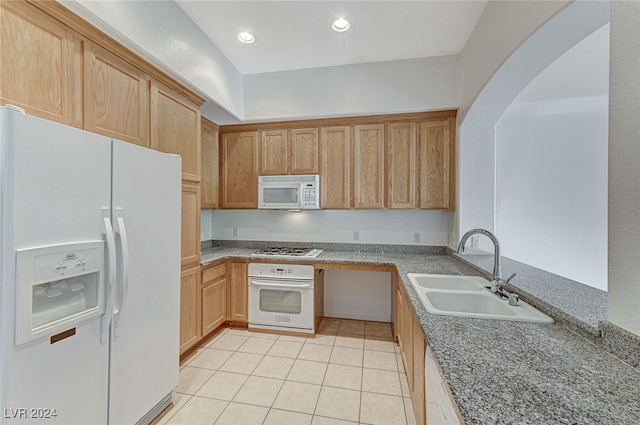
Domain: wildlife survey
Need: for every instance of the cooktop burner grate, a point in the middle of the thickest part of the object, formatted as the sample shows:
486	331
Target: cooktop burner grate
282	251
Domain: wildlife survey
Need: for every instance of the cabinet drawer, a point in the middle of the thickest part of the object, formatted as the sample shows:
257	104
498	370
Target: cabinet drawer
213	273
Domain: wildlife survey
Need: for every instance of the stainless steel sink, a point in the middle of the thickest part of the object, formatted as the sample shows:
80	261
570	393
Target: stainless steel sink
466	296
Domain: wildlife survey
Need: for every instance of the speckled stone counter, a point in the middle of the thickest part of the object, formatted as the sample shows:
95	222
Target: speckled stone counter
503	372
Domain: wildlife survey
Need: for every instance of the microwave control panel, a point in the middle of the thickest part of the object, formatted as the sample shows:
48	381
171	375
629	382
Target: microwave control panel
310	196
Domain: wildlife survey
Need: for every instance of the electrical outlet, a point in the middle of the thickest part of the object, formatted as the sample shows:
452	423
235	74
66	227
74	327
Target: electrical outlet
475	241
235	233
416	237
356	235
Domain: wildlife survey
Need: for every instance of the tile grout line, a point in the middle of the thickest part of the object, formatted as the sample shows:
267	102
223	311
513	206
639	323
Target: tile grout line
324	376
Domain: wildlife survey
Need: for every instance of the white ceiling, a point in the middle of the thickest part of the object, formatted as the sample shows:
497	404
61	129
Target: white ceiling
297	34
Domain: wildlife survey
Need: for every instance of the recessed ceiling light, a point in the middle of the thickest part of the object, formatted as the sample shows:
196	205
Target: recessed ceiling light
246	37
340	25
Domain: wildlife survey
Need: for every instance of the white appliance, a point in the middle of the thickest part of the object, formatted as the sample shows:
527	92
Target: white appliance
289	192
281	297
284	252
90	277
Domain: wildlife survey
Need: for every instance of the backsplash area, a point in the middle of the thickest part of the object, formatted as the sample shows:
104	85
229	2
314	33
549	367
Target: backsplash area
427	228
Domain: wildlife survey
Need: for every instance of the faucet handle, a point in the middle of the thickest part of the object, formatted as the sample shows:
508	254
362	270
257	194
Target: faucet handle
509	278
514	299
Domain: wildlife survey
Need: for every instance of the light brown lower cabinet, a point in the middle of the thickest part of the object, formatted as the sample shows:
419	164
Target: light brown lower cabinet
417	395
214	297
407	340
432	401
440	407
190	308
237	296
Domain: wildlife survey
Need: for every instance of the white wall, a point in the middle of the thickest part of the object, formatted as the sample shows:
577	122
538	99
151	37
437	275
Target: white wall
624	168
358	295
551	192
551	167
205	225
364	89
476	182
501	30
375	227
511	44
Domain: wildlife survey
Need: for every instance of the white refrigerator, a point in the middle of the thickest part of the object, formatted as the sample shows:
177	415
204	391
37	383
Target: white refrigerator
90	276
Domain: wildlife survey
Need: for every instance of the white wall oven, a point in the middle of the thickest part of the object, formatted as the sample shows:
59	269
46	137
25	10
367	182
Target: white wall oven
281	297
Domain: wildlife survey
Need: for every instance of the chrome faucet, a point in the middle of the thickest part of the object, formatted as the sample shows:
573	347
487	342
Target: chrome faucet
498	282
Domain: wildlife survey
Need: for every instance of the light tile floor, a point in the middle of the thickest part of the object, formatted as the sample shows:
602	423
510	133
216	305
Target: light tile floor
350	373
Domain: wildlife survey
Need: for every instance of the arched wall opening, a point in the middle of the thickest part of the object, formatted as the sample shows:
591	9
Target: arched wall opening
506	157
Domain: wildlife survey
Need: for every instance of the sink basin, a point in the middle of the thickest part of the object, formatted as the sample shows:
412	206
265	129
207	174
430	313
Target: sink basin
448	282
472	303
466	296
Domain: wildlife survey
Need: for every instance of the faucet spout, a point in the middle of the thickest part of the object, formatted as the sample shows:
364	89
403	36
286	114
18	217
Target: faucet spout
497	272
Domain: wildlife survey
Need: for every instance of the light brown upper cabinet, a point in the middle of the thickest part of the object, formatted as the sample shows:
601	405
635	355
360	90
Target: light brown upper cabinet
335	167
292	151
434	164
210	165
116	97
401	179
240	170
273	152
368	166
304	152
401	161
175	128
41	66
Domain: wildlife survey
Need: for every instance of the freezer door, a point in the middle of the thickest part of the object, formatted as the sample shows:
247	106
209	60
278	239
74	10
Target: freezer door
55	181
145	328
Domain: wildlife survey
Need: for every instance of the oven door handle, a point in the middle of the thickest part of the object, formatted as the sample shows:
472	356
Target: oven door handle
278	285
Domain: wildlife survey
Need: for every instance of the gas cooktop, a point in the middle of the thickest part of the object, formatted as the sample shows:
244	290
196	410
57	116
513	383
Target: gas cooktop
282	251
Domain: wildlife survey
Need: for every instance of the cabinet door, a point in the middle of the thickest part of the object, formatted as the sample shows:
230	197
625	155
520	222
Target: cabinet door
190	305
210	165
214	305
399	308
407	334
175	128
240	170
434	164
273	152
303	151
237	299
417	396
116	97
41	66
190	225
368	166
440	407
335	167
401	165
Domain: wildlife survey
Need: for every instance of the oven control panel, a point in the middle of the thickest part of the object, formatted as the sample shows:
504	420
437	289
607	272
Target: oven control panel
287	271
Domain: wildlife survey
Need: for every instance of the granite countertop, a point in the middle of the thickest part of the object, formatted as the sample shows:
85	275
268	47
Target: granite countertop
504	372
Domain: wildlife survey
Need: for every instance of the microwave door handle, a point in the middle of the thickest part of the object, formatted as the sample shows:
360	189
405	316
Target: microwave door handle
278	285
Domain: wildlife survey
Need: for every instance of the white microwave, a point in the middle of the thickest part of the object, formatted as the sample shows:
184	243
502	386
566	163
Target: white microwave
289	192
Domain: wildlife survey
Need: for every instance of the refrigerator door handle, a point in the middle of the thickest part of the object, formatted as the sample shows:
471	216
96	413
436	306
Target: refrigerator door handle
111	275
124	289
